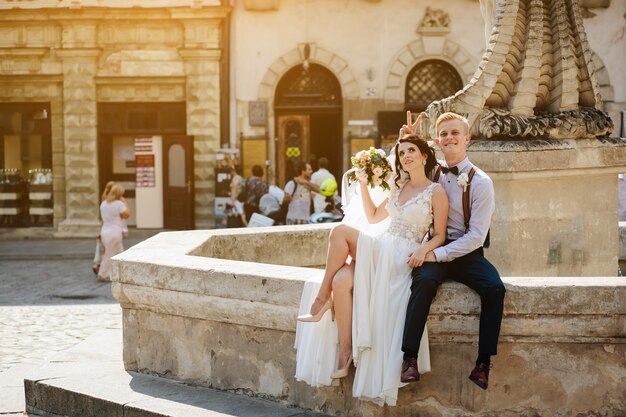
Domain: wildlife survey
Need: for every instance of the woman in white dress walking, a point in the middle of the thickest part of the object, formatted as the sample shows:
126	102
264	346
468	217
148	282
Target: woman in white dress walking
382	279
113	212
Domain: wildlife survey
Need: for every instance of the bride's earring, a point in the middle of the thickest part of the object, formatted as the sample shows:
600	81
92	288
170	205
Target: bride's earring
424	162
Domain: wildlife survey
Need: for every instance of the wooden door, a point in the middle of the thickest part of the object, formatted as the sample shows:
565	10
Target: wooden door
293	144
178	184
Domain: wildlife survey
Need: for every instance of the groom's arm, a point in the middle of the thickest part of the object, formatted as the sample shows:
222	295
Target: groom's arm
482	203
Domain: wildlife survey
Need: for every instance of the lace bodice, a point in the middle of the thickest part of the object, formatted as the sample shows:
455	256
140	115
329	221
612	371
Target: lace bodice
411	220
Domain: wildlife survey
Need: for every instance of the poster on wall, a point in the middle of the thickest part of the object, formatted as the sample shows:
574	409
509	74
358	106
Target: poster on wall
149	204
145	171
145	168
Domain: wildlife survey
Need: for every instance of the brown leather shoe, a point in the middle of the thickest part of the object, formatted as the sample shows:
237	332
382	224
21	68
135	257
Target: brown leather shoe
480	375
409	370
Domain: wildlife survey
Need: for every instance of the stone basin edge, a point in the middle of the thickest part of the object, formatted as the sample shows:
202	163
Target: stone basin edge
170	274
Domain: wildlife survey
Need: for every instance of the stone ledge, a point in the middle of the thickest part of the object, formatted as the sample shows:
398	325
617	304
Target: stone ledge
186	282
230	324
515	157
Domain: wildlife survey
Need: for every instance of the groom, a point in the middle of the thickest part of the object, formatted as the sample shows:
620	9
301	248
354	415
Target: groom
461	258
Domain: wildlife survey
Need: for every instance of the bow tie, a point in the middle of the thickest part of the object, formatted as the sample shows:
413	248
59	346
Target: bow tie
454	170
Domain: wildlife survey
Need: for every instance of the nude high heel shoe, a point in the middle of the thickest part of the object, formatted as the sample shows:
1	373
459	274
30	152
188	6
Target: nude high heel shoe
311	318
343	372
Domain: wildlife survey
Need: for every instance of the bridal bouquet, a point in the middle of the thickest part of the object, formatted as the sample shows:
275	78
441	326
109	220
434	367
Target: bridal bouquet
372	164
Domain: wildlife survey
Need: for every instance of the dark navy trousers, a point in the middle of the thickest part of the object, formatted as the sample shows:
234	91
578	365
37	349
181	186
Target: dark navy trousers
473	270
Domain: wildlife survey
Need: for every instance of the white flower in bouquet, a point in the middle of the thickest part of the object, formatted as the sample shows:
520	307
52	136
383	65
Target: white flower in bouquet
372	165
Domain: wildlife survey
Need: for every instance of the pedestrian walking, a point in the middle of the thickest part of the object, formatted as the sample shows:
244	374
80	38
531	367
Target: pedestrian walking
113	212
298	195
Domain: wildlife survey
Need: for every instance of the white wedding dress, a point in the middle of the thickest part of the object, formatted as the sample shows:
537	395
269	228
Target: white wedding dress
382	286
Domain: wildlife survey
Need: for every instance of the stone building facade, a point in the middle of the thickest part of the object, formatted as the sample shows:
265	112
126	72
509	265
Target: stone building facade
279	81
376	59
80	80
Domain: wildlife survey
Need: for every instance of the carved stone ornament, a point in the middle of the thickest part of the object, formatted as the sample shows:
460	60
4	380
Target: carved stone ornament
586	123
434	22
536	78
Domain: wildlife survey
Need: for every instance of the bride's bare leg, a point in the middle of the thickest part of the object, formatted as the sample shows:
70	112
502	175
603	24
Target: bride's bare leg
341	243
342	302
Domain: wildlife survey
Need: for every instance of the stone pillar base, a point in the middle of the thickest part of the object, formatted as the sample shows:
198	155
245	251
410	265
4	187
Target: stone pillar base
556	205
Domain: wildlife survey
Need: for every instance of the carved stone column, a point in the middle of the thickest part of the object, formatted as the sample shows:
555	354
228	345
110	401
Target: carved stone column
80	142
202	68
202	54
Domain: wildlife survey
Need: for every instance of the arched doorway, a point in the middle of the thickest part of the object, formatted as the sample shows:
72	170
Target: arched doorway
308	107
428	81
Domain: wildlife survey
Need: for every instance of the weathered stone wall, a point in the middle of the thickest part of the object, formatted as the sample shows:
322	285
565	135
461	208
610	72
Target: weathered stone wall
190	315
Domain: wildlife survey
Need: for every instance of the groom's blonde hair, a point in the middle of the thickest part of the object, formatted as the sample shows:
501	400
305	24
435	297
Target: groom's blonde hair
452	116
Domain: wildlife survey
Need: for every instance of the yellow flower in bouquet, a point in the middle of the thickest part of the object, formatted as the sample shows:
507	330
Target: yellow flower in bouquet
373	165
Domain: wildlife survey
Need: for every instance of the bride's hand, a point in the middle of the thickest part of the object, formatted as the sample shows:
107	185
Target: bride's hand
417	258
362	177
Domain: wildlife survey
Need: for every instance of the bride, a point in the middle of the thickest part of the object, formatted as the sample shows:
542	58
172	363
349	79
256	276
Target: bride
369	330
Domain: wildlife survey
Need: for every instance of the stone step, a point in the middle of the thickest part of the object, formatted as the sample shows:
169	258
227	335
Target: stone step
129	394
89	380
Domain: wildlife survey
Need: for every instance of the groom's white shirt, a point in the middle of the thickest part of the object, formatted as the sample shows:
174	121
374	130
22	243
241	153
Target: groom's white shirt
482	206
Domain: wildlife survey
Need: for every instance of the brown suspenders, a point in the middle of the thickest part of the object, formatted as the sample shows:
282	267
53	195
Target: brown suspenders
467	210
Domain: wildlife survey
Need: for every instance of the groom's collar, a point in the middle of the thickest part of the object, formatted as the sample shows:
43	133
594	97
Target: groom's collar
461	166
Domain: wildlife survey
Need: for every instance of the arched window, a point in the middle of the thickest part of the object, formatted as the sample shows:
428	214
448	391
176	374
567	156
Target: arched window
315	87
429	81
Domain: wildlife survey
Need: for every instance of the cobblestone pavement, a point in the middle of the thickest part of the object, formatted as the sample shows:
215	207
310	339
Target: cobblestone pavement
49	305
49	300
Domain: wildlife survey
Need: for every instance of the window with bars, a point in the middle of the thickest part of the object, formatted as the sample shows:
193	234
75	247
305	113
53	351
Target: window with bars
429	81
